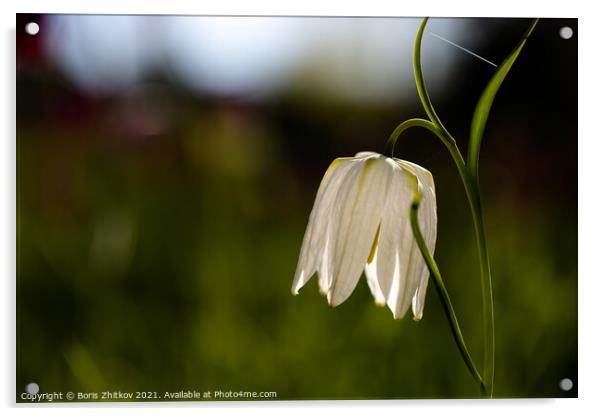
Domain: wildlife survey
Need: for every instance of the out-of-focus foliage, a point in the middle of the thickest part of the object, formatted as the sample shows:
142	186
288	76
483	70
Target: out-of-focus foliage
158	232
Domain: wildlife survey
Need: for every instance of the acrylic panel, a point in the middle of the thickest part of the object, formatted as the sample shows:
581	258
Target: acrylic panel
179	176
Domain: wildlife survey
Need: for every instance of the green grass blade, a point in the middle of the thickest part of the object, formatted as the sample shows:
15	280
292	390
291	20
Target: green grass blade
481	113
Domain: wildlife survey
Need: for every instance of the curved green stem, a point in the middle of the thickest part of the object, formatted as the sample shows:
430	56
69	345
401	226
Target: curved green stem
471	187
413	122
425	99
442	292
474	202
486	289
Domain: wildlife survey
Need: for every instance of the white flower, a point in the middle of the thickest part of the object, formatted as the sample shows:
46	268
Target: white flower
361	222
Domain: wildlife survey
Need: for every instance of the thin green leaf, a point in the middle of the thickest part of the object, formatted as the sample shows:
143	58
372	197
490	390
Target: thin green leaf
481	113
448	308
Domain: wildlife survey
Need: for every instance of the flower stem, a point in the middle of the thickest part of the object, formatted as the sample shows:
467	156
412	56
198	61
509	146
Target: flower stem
486	291
474	201
469	175
471	187
413	122
442	292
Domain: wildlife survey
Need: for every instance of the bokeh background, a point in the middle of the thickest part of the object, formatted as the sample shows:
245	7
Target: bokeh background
167	165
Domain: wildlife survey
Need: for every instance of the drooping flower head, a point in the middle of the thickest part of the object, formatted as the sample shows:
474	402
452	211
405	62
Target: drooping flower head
361	222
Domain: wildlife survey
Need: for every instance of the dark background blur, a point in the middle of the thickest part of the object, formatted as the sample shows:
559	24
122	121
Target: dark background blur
162	203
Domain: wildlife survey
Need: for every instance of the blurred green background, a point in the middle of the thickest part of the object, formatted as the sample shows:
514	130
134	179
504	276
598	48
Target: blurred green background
159	223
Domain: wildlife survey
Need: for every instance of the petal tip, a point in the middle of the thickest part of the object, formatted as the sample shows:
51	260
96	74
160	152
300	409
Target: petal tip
331	301
417	318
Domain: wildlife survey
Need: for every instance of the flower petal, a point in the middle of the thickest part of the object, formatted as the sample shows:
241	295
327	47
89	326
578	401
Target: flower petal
315	234
359	213
396	242
427	220
326	262
372	278
367	154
